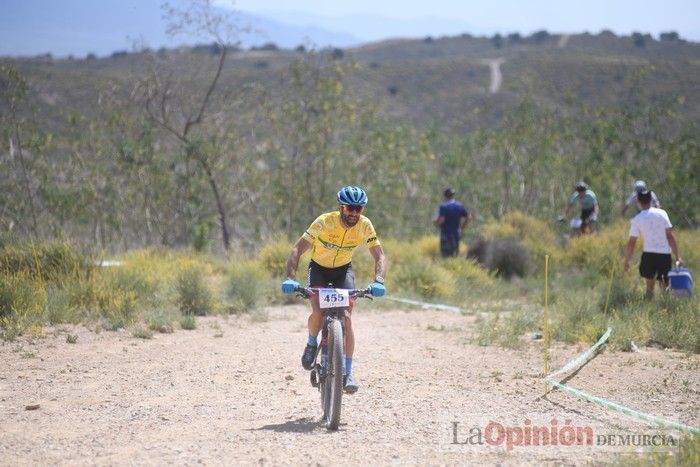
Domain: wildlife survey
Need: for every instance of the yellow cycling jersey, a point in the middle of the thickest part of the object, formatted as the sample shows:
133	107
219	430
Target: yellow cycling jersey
333	244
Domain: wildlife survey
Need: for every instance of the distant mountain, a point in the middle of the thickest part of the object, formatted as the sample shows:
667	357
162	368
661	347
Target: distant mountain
372	28
79	27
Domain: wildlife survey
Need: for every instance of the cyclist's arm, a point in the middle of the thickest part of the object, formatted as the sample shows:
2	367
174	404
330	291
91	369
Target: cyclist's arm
572	201
628	202
293	260
379	261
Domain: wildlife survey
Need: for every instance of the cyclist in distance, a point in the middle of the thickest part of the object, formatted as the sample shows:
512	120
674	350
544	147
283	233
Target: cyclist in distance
333	238
639	186
588	203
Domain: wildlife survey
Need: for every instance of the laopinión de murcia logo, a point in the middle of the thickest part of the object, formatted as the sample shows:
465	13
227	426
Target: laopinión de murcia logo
553	433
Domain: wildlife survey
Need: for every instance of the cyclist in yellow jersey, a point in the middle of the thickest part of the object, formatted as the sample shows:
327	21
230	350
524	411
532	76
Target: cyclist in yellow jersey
333	237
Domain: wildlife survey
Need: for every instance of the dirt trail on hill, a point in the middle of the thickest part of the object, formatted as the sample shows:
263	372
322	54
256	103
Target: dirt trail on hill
496	75
233	392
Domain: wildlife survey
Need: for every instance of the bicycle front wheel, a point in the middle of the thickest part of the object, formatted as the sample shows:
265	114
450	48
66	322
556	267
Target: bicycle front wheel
334	375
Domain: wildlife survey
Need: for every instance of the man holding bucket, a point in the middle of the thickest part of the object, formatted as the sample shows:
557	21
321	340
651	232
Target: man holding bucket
654	226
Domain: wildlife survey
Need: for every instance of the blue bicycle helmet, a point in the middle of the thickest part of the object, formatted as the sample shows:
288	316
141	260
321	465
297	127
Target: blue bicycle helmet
352	195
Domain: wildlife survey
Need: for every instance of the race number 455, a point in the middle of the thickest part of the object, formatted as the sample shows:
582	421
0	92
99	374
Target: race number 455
332	298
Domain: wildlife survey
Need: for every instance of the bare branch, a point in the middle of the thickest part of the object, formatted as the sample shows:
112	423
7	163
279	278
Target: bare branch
207	96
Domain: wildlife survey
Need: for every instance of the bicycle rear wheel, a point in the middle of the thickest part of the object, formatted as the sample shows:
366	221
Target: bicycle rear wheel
334	376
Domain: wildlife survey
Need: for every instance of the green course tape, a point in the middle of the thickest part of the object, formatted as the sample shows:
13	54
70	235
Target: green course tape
581	359
626	410
437	306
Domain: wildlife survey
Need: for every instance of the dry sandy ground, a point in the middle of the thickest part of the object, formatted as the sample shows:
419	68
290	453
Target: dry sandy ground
233	392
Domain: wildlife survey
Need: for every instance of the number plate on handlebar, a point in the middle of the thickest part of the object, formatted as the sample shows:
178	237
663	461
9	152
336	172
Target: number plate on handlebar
333	298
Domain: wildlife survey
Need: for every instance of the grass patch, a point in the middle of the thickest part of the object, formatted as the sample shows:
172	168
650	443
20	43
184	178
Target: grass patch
160	320
188	322
506	330
688	453
142	332
668	320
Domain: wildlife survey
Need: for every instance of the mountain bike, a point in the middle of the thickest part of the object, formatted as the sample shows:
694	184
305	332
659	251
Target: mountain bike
576	227
328	374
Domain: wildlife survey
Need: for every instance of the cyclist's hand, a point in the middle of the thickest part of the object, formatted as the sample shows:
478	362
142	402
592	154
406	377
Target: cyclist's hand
377	289
289	285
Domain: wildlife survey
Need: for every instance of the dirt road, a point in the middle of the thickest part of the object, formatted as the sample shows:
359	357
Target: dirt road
233	392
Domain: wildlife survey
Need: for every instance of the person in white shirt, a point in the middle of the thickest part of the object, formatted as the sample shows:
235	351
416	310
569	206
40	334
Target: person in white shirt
654	226
640	185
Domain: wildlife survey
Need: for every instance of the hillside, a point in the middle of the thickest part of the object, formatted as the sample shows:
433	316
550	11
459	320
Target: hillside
443	81
511	122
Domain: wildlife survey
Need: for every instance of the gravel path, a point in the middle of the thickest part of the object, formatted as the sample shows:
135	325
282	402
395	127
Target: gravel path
233	392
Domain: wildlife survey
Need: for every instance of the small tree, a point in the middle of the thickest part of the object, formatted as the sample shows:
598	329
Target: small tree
166	104
638	39
670	36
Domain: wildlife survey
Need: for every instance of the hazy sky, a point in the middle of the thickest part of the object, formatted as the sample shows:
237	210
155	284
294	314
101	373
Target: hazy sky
621	16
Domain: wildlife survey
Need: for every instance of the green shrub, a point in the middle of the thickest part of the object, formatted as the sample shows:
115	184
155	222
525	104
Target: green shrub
599	252
49	262
194	297
200	237
160	320
59	308
129	280
273	257
118	308
428	246
424	278
677	322
623	291
538	238
689	247
188	322
469	273
249	285
22	304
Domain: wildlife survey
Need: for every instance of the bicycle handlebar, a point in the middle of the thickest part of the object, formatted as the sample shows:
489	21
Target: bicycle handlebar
307	292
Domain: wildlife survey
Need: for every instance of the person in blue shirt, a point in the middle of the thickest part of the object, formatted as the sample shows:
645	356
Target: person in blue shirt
452	218
588	203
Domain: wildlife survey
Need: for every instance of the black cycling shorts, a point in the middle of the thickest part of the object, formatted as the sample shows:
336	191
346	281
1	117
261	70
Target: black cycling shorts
586	215
655	266
340	278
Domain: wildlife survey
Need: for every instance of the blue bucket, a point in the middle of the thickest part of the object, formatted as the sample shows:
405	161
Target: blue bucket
681	282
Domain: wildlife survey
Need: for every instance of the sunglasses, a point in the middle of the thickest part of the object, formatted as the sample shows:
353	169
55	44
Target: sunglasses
352	208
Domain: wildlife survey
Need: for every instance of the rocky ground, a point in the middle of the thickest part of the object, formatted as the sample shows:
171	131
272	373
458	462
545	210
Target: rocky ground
233	392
